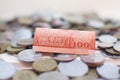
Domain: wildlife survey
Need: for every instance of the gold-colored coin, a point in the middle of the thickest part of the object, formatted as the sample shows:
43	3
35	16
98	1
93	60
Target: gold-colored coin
3	46
44	64
112	51
25	75
12	50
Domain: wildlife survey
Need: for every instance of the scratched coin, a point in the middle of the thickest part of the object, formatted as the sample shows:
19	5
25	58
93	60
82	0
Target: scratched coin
28	55
7	70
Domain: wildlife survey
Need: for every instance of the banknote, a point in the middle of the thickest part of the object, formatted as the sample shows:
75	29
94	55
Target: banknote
63	41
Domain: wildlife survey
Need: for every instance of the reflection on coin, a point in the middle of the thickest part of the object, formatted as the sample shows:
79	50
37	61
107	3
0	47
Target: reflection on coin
117	35
107	38
7	70
28	55
105	45
74	68
25	75
109	71
12	50
112	51
44	64
93	59
91	75
21	34
53	75
3	46
1	59
64	57
25	42
117	46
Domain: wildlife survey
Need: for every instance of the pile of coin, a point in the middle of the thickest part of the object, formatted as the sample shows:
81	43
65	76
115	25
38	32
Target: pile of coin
16	39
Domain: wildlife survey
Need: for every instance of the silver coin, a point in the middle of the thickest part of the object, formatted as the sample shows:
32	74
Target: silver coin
53	75
117	46
28	55
74	68
109	71
105	45
7	70
107	38
95	23
22	33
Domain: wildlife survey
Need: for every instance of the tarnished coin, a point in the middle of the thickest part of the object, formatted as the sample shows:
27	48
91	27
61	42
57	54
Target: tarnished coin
12	50
53	75
64	57
117	46
25	75
107	38
105	45
93	59
25	42
109	71
7	70
28	55
74	68
117	35
44	64
112	51
3	46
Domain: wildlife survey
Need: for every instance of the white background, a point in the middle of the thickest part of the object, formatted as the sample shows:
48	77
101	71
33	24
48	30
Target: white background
10	8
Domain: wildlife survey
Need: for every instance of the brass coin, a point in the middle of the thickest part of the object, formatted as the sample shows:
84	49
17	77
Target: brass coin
117	35
25	42
25	75
3	46
53	75
44	64
12	50
112	51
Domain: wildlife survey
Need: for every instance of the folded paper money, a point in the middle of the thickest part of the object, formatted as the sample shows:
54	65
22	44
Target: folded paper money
63	41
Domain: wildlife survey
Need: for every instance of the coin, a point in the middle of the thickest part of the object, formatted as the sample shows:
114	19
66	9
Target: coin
12	50
64	57
105	45
112	51
44	64
93	59
117	35
74	68
108	71
25	42
107	38
117	46
7	70
1	59
3	46
28	55
25	75
52	75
